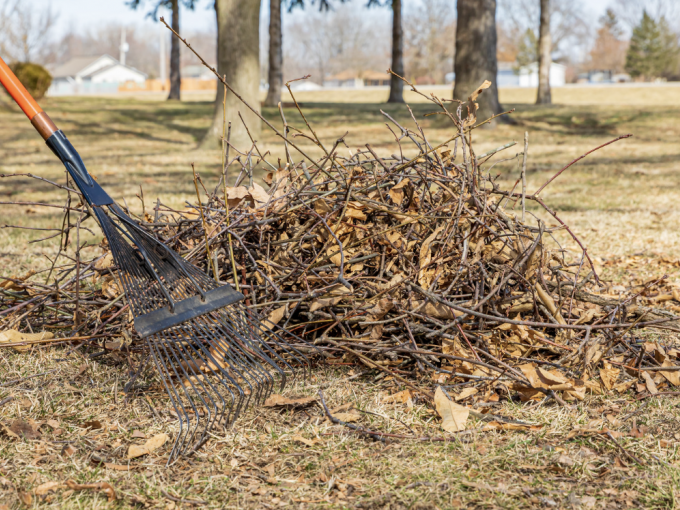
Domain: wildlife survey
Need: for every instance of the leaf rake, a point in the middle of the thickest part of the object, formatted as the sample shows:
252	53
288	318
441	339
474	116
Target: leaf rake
214	356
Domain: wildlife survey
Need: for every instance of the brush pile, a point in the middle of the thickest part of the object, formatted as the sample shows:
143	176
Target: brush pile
417	266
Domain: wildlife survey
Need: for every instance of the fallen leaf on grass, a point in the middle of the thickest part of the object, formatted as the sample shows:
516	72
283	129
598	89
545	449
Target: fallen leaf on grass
93	424
138	435
565	460
277	400
467	392
105	487
621	387
672	377
649	382
402	397
152	444
27	430
52	423
305	441
26	498
609	375
347	417
46	487
454	416
69	450
11	336
8	431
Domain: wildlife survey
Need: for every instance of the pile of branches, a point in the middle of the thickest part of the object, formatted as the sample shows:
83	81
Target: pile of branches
416	264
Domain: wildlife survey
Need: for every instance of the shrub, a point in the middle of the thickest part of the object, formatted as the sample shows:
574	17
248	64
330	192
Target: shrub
34	77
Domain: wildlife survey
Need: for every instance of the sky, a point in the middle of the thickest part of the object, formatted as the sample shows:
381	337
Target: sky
90	13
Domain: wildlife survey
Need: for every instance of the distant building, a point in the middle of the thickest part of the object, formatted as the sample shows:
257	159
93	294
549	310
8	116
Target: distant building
92	75
507	75
198	72
602	76
351	79
527	76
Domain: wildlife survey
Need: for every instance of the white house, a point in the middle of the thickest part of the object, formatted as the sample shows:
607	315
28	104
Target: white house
92	75
354	80
528	75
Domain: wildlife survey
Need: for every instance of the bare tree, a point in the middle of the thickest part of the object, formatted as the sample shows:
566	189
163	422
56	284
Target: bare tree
396	85
430	34
238	59
475	59
570	33
397	65
175	73
275	72
609	49
345	39
25	33
144	47
630	11
544	55
175	65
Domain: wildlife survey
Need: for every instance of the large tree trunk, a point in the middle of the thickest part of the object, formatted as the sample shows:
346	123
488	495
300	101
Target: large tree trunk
396	85
544	57
175	78
238	59
476	54
275	54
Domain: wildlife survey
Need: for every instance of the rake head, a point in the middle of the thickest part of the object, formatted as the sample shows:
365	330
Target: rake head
213	360
214	355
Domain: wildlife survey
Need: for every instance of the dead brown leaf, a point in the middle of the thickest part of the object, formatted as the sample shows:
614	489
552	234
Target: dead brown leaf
46	487
402	397
454	416
26	429
105	487
649	382
151	444
14	336
93	424
277	400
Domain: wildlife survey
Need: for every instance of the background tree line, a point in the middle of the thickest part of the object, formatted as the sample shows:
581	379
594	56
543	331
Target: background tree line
423	41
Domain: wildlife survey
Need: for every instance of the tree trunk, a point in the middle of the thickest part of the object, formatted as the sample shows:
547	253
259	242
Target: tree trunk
238	59
475	59
396	85
544	57
175	78
275	54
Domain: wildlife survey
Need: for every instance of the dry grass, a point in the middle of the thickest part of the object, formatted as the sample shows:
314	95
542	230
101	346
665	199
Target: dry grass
621	201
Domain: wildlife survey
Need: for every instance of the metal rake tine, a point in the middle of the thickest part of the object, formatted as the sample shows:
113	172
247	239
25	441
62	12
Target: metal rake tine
210	361
180	410
246	356
173	357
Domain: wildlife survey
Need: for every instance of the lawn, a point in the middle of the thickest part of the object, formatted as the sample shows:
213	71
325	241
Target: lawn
621	201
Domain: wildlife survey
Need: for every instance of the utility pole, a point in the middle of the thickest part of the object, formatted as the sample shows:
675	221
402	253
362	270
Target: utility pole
163	73
124	46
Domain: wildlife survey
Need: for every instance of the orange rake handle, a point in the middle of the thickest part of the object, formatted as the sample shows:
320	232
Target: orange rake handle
40	120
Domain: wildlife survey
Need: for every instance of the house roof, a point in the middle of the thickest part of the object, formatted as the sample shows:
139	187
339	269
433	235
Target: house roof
344	75
77	65
375	75
365	75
